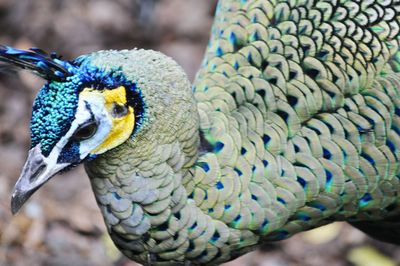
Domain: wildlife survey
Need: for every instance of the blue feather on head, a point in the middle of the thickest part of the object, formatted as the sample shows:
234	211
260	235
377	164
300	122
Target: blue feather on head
56	103
49	67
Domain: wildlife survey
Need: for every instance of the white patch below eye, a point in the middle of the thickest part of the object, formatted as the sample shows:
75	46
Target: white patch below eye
86	107
101	116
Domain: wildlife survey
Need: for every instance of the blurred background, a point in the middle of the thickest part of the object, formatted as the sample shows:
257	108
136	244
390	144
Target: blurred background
61	224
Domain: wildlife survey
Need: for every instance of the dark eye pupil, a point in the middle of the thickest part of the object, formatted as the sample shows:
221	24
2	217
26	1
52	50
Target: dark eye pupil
119	110
86	131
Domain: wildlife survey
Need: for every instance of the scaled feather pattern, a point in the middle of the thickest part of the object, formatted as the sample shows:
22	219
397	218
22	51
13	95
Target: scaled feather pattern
293	122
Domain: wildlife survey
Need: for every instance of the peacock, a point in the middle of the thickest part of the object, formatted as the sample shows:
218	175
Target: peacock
293	122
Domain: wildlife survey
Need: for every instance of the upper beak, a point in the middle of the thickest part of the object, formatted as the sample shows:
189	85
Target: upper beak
37	170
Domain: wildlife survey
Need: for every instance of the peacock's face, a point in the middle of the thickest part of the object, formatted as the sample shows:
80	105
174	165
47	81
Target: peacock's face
86	115
97	102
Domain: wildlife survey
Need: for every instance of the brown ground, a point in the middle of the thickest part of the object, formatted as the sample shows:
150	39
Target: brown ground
61	224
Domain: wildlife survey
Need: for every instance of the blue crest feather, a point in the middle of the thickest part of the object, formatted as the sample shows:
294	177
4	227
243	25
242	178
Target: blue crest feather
49	67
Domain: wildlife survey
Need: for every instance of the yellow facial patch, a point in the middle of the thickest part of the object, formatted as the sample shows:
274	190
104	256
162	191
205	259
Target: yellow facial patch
122	125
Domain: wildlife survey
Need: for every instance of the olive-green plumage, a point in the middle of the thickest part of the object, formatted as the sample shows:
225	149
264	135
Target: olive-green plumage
299	103
293	122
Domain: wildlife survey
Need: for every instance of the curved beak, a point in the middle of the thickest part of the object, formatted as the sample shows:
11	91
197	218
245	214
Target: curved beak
37	170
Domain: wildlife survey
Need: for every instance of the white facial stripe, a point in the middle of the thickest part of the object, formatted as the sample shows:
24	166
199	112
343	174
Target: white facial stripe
83	115
102	117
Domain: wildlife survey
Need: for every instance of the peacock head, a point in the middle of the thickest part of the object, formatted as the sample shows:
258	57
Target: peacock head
92	105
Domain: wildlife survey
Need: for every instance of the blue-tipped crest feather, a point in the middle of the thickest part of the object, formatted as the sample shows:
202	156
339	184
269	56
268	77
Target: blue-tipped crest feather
49	67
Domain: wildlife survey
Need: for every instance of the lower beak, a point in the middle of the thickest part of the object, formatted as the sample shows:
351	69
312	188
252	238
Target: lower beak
37	170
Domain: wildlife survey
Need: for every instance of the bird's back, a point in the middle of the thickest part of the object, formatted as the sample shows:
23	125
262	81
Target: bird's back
300	103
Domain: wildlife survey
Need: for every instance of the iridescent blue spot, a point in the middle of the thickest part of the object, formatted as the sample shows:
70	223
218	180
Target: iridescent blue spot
371	121
227	206
254	168
396	129
264	223
261	92
218	146
303	217
329	179
365	200
191	195
219	185
236	65
218	51
206	195
177	215
210	210
317	205
265	163
266	139
255	36
215	236
237	219
302	182
327	154
163	227
331	129
302	30
243	151
369	158
278	235
240	173
115	195
391	146
249	57
232	38
193	226
345	156
284	115
204	166
316	130
292	100
254	197
296	148
397	111
281	200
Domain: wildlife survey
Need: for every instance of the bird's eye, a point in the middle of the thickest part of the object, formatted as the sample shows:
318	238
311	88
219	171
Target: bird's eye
85	131
119	110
